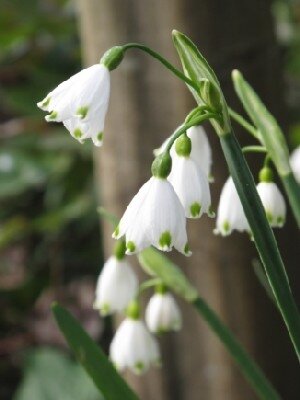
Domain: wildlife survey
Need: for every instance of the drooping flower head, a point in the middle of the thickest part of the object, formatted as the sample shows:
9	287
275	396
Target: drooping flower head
272	199
133	346
230	215
81	101
117	285
162	313
155	215
189	180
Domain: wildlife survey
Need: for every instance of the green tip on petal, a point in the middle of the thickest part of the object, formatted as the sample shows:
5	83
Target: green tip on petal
269	216
187	250
280	221
52	116
130	246
139	367
100	136
226	227
116	232
77	133
195	209
82	112
44	103
211	212
105	310
165	240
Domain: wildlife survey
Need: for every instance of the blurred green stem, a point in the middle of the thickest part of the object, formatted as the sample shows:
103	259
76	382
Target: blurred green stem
245	124
165	62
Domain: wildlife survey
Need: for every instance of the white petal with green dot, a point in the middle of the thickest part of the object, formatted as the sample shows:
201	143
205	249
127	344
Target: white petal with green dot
273	203
81	103
155	217
163	314
230	214
133	347
117	285
191	186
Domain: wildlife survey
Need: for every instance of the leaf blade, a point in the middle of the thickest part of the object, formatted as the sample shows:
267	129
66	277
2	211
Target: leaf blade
91	357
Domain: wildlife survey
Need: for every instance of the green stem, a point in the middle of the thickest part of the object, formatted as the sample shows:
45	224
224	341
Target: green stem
254	149
292	189
263	235
165	62
248	367
245	124
183	128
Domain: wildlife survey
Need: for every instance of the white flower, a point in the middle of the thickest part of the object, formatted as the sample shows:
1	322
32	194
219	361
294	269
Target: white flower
134	347
81	103
273	203
201	151
162	313
295	163
154	217
116	287
230	213
191	186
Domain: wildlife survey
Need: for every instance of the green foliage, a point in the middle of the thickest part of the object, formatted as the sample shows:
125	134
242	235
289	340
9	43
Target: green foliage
91	357
157	265
51	375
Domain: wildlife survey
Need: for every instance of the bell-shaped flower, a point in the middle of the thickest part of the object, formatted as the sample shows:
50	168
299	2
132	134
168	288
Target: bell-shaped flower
189	181
295	163
163	314
134	347
81	103
230	215
117	285
273	203
191	186
201	150
155	217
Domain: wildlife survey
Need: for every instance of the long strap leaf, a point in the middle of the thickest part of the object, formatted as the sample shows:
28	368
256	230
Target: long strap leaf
91	357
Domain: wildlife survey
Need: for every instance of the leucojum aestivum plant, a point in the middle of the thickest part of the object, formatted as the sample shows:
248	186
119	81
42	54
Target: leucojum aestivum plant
155	220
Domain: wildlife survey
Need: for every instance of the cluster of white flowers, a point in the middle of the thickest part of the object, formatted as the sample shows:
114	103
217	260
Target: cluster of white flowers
133	346
230	211
178	189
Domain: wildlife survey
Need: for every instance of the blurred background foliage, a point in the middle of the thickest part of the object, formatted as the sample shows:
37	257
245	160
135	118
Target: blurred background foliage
50	244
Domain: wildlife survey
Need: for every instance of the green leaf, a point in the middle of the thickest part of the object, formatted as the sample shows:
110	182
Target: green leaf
50	375
157	265
270	134
196	67
92	358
